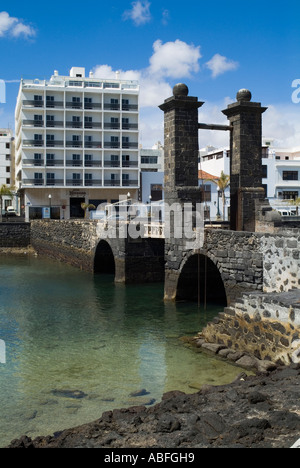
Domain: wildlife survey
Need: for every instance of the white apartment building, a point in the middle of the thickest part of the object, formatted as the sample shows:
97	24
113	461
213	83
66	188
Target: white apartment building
280	178
77	140
7	162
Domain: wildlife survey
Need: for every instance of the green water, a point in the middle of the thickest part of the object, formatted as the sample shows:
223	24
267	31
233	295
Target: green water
67	330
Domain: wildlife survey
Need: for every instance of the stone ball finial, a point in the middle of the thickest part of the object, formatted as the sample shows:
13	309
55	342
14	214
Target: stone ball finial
180	89
244	95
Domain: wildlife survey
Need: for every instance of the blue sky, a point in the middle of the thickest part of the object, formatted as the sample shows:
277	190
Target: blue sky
216	48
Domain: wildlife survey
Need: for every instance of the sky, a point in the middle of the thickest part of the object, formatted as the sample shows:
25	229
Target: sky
216	48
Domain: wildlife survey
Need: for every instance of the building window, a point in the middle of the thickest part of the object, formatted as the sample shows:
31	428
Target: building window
156	192
205	193
292	195
8	181
290	175
7	169
264	171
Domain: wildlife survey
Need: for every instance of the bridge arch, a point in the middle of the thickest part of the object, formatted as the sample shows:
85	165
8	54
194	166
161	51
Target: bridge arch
200	280
104	259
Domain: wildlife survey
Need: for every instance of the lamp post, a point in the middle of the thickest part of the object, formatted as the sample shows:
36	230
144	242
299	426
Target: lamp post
50	198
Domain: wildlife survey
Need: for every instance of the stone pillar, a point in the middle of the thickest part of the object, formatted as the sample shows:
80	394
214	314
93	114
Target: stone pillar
181	148
246	160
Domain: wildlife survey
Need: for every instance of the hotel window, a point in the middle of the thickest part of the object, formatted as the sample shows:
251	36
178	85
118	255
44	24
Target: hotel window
292	195
37	159
264	171
50	159
290	175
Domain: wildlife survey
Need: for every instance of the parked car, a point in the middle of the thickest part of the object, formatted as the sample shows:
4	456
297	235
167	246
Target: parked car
10	211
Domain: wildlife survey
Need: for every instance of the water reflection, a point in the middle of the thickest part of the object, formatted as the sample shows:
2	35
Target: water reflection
67	330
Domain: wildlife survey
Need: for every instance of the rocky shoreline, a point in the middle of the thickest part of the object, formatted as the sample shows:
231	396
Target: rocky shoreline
257	411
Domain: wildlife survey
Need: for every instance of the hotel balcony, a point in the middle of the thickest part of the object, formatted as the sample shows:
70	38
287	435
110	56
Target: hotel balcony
54	123
111	163
92	164
130	163
127	144
129	107
74	144
74	105
112	183
93	144
112	144
74	163
54	104
113	107
92	105
75	182
33	103
129	183
53	182
129	126
33	123
112	126
93	182
55	162
35	143
74	124
54	143
92	125
35	182
33	162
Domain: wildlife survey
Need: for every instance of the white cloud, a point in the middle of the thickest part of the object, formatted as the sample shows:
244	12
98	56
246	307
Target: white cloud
170	60
220	64
139	13
14	27
175	59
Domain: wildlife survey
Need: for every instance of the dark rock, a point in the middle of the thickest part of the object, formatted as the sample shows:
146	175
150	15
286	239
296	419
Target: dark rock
138	393
77	394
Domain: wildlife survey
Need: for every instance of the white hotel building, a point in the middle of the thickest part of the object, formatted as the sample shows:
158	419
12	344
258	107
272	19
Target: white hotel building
7	162
77	140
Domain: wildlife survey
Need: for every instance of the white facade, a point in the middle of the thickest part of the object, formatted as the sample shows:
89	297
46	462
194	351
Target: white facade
6	162
77	140
281	174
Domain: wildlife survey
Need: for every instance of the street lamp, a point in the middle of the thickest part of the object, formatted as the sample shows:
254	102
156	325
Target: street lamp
50	198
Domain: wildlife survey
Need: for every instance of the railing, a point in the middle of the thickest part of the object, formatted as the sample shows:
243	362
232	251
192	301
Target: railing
129	183
112	183
74	163
55	162
51	182
54	123
54	143
129	126
92	125
74	124
93	144
154	230
74	144
93	182
54	104
130	163
92	164
75	183
34	123
112	126
92	105
126	145
111	163
33	143
113	107
33	162
112	144
74	105
129	107
36	182
32	103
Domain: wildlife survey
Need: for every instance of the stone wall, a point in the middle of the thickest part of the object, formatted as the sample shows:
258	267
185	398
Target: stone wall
14	235
281	254
266	326
72	242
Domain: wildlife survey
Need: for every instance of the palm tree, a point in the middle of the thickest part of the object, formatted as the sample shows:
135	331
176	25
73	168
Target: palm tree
223	182
5	191
87	206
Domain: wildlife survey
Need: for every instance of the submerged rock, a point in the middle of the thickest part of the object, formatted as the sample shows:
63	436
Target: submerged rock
77	394
139	393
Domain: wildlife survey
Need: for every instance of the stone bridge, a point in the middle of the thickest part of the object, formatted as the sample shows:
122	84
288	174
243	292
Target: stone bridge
235	268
